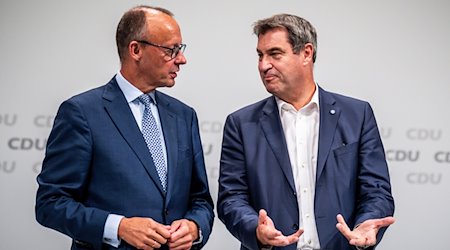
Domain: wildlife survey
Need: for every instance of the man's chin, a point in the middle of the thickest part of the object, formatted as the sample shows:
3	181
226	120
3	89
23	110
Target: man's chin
270	87
168	84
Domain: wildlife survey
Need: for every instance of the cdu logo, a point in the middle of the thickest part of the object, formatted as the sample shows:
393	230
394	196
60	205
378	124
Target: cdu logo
442	157
424	178
420	134
402	155
17	143
211	127
8	119
7	167
212	172
207	148
43	121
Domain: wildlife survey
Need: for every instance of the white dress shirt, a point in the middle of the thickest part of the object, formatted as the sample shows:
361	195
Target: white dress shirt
301	130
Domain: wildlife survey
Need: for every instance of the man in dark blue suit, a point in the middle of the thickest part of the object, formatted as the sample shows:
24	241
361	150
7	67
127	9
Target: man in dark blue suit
295	164
99	184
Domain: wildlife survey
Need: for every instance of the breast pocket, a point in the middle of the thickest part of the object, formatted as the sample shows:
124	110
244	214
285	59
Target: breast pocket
346	156
351	148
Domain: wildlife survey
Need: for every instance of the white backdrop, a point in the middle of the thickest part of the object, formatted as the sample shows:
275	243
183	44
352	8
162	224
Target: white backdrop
394	54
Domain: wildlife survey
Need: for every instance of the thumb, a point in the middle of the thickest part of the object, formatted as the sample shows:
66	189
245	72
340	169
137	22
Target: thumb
384	222
262	219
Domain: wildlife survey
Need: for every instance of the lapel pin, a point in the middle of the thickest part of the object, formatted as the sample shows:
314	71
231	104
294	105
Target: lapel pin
332	111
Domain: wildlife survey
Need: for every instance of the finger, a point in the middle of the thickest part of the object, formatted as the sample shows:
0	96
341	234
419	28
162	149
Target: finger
181	232
386	221
294	237
341	221
152	243
183	243
162	233
343	227
175	226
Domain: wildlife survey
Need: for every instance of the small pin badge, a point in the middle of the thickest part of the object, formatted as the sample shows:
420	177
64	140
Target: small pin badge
332	111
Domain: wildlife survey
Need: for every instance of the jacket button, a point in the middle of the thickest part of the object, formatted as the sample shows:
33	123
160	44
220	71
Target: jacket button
295	227
166	211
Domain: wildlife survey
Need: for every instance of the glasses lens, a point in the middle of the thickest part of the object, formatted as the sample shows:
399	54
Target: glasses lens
177	50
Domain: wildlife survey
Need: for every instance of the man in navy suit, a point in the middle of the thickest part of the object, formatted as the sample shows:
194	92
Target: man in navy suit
99	184
304	168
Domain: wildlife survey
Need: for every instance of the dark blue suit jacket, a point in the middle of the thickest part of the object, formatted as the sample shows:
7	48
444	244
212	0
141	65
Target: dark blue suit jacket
255	171
97	163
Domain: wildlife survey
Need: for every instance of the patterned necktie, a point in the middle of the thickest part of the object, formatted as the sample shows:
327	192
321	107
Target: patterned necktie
152	137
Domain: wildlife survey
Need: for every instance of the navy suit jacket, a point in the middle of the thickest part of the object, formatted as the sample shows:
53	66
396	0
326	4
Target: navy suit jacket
97	163
255	171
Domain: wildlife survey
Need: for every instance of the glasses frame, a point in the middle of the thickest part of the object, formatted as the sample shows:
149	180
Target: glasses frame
173	51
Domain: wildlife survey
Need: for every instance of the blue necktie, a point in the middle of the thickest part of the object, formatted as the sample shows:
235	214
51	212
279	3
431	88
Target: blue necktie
152	137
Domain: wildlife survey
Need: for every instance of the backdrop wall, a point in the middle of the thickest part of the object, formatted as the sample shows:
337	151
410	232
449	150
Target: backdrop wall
394	54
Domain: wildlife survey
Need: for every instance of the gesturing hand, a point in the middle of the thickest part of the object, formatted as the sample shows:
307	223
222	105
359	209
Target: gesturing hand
365	234
267	234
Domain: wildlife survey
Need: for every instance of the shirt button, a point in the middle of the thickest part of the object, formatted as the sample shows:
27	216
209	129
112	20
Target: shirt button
309	241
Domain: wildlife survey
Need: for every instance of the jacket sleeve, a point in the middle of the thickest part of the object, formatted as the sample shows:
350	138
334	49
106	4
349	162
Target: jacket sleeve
202	207
233	205
374	198
63	180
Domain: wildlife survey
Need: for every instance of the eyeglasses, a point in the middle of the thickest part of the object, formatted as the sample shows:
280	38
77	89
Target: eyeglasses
170	52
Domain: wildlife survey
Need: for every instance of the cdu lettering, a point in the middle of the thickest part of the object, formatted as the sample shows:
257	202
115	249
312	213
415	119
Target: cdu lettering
424	178
402	155
17	143
43	121
7	167
8	120
424	134
210	127
442	157
207	149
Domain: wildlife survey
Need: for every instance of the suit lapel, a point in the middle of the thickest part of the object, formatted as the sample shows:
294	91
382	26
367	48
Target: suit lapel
329	115
271	126
119	111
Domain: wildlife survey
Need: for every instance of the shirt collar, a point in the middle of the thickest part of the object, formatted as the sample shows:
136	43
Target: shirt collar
130	92
314	102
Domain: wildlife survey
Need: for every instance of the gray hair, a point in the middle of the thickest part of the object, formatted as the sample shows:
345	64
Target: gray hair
132	26
300	31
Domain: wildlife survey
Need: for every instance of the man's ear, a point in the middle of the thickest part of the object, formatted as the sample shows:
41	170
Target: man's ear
308	52
135	50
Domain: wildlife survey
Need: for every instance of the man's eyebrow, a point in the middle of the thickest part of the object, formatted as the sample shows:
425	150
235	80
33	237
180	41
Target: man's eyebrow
273	49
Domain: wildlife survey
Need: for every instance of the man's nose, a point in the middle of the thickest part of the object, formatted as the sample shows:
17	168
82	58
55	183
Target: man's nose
180	58
264	65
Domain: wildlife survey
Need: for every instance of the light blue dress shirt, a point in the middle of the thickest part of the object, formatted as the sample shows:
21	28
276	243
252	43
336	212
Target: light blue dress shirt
131	94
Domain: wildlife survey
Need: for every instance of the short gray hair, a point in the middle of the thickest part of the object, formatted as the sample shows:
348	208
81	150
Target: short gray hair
300	31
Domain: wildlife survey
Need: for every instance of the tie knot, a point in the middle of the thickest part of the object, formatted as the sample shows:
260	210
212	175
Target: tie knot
145	99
